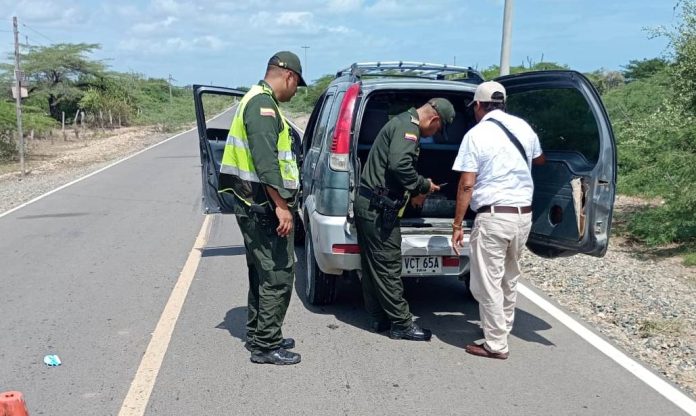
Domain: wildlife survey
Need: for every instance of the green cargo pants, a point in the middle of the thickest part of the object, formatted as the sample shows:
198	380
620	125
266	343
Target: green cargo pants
383	289
271	264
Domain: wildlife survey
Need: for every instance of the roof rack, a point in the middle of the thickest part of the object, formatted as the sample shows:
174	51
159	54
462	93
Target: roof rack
412	69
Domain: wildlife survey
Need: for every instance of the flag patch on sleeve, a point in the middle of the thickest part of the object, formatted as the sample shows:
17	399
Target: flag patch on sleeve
411	137
267	112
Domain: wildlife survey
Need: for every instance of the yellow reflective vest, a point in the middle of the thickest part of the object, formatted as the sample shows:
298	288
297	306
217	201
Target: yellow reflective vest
237	160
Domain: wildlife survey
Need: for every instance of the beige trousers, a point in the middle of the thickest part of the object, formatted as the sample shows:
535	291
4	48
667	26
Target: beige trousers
496	245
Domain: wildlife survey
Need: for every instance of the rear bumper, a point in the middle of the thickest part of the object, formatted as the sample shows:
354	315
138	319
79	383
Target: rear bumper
328	231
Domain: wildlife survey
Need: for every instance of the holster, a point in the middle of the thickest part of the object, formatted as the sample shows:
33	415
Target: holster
265	217
386	206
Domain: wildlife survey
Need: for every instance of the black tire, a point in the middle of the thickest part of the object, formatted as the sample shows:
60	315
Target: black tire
320	287
299	230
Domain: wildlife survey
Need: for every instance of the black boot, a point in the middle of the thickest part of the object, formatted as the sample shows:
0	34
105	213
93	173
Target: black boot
278	356
380	325
286	344
413	333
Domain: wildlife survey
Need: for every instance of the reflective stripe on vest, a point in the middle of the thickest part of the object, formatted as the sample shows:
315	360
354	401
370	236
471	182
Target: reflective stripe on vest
237	160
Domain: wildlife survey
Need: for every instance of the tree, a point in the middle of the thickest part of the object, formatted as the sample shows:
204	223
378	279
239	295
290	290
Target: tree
643	69
56	72
493	71
605	80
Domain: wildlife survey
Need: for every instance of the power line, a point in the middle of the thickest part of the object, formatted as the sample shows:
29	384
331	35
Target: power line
38	33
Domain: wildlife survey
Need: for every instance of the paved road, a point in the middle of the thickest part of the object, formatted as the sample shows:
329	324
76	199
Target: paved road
86	273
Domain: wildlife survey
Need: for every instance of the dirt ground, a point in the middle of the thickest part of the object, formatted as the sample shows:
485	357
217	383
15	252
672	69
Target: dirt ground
91	146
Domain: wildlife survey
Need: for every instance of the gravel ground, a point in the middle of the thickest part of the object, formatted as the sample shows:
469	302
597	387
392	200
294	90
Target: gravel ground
646	305
56	163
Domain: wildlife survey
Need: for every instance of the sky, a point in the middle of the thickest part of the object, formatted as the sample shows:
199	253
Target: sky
228	43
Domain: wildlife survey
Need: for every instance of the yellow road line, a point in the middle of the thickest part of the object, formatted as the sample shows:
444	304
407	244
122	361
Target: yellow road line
139	393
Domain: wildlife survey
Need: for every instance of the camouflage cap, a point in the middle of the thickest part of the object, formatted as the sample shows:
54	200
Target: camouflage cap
288	60
443	108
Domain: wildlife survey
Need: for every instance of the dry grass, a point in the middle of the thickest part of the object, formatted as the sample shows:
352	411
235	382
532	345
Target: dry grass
667	327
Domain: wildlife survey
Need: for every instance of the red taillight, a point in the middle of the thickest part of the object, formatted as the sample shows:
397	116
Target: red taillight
450	262
340	146
345	249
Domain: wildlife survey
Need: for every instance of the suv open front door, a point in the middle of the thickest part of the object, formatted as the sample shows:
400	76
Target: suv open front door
574	190
212	136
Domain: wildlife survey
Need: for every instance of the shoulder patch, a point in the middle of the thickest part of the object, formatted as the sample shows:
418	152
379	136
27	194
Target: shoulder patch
411	137
265	111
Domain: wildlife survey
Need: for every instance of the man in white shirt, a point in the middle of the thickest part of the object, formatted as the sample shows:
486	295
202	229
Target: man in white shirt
495	160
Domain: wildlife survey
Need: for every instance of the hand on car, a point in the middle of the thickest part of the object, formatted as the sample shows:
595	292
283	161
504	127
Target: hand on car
418	200
285	221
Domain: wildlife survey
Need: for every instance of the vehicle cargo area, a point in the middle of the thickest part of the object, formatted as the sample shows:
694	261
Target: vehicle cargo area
437	153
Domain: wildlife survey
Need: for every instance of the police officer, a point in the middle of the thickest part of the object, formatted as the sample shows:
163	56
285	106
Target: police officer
387	180
260	170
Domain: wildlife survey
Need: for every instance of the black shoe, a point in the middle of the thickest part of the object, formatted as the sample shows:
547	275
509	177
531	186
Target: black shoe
413	333
380	326
286	344
278	356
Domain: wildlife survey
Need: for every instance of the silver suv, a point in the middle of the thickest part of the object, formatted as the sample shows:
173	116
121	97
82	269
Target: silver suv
574	190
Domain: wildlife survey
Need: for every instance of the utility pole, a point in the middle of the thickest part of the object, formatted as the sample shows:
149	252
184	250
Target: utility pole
18	77
169	81
505	47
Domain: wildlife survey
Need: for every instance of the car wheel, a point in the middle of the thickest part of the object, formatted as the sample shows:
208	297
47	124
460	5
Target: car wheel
299	230
320	287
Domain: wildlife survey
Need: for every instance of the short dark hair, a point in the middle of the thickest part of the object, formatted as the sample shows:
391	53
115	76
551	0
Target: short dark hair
489	106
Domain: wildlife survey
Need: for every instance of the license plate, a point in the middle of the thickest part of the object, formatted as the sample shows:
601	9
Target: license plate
422	265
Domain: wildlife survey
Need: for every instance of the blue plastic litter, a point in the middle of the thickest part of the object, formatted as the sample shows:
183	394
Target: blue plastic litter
52	360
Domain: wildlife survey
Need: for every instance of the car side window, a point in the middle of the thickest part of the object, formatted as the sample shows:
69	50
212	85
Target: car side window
561	117
320	130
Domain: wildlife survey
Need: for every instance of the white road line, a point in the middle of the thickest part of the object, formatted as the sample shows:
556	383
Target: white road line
138	395
92	174
670	392
102	169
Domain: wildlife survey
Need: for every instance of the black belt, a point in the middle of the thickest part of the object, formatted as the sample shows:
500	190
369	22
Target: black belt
369	193
505	210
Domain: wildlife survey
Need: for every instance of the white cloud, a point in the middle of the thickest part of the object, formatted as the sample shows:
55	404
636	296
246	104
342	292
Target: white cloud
295	19
344	6
55	14
202	44
154	27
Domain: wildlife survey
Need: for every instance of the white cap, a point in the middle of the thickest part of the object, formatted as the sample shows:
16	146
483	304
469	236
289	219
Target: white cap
489	92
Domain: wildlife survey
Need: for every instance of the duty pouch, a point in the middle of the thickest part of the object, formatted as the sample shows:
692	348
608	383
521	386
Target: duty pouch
265	217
